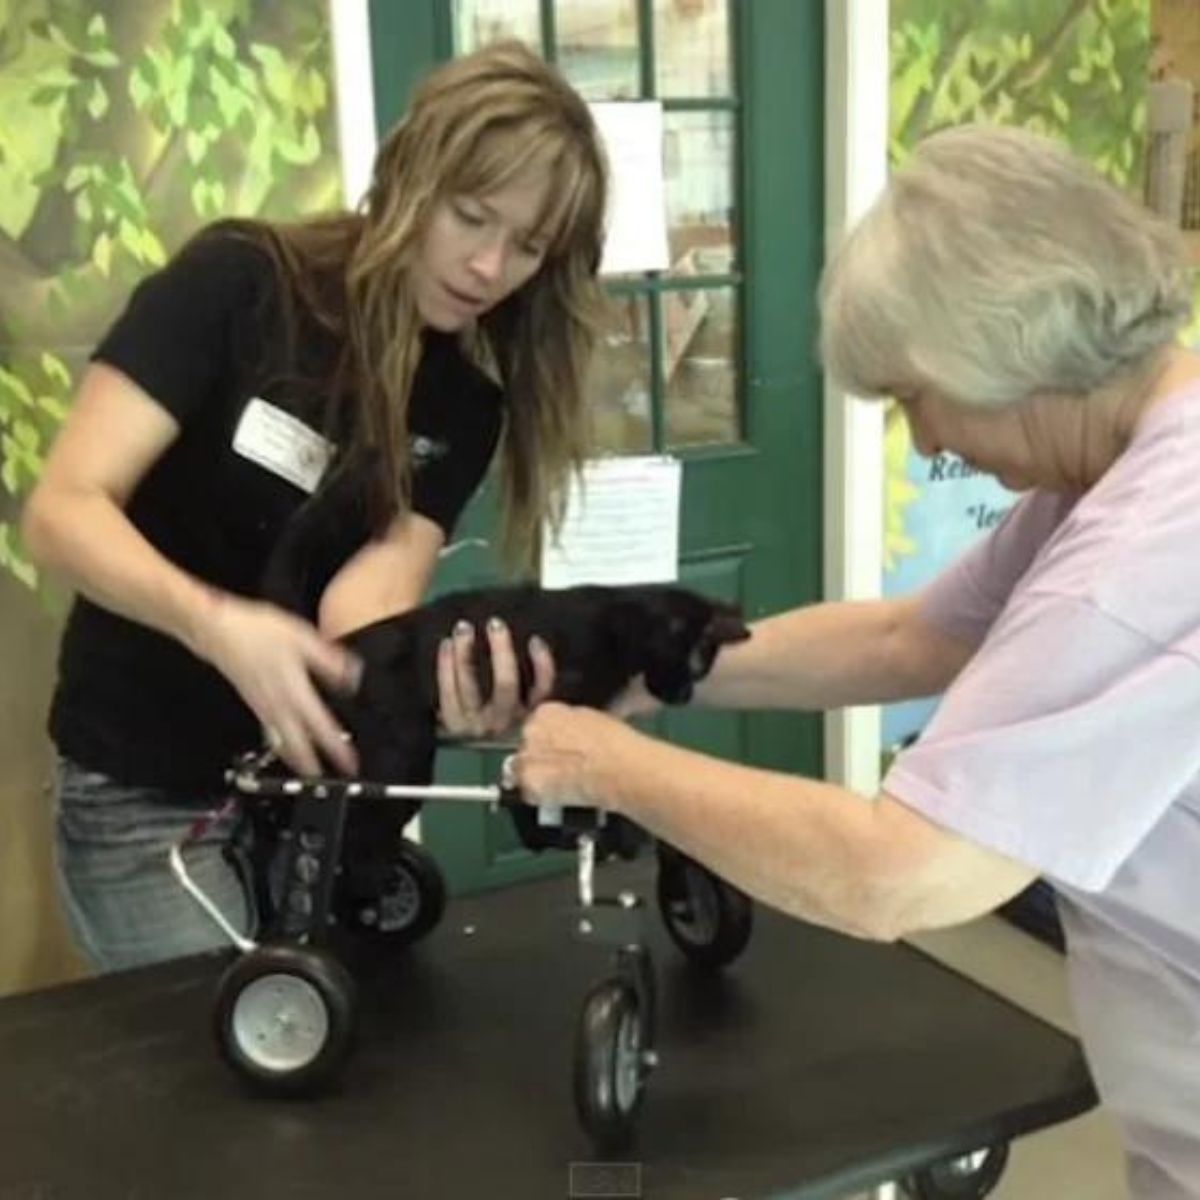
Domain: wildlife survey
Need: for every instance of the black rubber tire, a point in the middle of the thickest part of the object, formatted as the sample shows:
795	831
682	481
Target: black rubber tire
708	919
959	1178
610	1069
416	891
265	989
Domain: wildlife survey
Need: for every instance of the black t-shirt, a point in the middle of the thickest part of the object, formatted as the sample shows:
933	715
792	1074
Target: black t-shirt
204	338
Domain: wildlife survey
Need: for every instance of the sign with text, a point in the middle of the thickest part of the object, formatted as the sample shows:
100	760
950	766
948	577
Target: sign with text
621	525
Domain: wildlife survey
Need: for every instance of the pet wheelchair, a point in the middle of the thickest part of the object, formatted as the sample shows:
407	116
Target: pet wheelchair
285	1010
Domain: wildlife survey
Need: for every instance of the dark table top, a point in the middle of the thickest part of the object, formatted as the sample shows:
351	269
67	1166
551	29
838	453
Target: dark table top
815	1065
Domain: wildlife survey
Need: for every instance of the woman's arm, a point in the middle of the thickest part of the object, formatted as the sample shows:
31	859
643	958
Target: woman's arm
74	524
388	575
391	575
870	868
833	655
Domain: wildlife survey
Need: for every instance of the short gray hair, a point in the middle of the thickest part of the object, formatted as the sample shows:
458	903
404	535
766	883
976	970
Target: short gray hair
995	265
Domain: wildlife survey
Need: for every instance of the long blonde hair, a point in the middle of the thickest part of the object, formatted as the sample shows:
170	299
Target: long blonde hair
475	124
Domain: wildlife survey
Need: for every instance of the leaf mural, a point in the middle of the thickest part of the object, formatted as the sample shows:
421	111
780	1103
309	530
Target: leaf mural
123	128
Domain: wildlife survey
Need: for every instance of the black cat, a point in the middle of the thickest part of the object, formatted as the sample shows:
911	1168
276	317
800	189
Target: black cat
601	639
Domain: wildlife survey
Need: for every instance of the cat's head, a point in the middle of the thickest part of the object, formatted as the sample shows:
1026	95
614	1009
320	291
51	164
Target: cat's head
674	638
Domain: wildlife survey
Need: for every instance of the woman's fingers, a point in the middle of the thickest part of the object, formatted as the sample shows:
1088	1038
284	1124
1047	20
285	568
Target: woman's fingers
503	705
332	664
464	670
292	744
542	661
450	707
464	711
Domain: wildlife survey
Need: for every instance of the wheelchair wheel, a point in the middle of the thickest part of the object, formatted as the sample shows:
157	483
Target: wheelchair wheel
284	1018
610	1064
966	1177
406	900
708	919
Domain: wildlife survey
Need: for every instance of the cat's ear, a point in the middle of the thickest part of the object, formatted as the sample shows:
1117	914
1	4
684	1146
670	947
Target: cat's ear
724	626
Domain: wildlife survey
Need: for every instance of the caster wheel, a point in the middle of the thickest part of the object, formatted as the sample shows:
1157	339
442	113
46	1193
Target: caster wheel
284	1018
403	901
611	1065
707	918
967	1177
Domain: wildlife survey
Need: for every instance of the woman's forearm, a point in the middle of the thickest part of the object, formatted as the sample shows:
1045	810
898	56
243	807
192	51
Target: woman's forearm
87	540
805	847
832	656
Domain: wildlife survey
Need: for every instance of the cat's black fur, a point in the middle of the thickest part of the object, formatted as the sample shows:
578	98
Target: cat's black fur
601	639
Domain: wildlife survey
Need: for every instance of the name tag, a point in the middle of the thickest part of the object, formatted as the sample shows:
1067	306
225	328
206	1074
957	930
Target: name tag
282	444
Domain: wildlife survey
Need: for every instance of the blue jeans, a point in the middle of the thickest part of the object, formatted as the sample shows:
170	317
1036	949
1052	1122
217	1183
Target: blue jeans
123	903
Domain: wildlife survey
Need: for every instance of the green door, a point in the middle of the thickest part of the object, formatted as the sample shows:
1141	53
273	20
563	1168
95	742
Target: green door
711	360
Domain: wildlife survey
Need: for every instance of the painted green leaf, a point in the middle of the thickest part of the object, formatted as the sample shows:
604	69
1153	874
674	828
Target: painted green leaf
223	44
54	369
13	387
26	435
97	104
196	145
53	407
102	253
105	59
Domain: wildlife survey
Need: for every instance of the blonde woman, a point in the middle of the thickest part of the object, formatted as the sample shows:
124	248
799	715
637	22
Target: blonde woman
402	343
1024	313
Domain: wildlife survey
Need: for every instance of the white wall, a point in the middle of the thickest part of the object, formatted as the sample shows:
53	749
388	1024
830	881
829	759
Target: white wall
856	125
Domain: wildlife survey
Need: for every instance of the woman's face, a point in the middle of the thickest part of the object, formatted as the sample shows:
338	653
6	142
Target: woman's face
479	249
1045	441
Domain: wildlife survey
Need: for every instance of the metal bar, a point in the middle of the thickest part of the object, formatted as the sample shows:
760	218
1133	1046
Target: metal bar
586	870
549	31
673	283
646	67
243	943
330	789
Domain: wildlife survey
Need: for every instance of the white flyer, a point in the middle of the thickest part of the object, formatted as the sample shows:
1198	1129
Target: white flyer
620	527
636	226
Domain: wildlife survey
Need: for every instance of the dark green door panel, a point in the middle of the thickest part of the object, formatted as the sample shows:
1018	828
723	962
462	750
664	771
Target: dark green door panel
751	512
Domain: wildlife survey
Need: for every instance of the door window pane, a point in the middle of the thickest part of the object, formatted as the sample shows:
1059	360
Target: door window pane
598	47
619	388
691	48
480	22
700	347
698	157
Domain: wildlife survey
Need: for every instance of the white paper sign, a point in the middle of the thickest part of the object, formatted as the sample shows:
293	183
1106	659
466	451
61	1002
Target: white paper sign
622	527
636	226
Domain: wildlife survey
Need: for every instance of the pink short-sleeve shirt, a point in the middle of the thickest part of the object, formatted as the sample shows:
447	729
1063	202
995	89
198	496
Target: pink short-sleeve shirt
1071	742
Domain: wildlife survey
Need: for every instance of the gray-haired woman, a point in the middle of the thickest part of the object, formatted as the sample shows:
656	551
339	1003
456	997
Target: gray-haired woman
1025	314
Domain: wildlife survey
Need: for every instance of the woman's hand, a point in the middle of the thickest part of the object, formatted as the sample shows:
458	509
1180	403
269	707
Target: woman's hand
271	657
462	710
571	756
